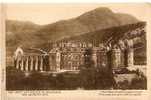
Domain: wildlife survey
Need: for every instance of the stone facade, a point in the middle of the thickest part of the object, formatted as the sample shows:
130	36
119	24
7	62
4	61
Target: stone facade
69	57
72	54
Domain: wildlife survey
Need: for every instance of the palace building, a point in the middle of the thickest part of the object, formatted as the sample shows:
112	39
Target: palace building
72	58
74	54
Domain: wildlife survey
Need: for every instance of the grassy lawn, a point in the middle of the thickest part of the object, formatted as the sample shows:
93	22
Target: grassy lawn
87	79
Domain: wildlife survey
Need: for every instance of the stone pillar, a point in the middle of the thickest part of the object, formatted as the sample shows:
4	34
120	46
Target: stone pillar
26	65
58	59
22	64
17	63
36	63
50	61
130	58
94	58
116	58
31	63
123	58
41	63
103	58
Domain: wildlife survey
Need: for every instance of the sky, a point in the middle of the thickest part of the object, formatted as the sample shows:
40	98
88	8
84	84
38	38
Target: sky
50	13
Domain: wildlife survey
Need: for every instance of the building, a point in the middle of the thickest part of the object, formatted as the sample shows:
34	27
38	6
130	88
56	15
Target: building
74	54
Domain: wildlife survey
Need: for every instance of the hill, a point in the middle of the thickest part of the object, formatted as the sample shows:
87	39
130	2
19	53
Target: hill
29	34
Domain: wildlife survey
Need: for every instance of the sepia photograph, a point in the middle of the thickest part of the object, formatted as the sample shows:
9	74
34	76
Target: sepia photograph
75	47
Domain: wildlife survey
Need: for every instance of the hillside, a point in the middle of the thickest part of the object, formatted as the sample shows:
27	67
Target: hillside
28	34
14	26
97	19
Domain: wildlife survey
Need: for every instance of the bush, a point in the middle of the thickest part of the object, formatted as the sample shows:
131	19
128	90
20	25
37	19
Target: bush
139	83
96	78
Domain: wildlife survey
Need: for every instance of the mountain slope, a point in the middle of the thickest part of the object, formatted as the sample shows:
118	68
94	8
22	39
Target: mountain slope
15	26
100	18
28	34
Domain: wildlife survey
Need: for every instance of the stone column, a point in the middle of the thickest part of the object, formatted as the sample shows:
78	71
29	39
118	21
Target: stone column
22	64
58	59
36	63
31	63
94	57
103	58
130	58
41	63
123	58
17	63
116	58
26	65
50	61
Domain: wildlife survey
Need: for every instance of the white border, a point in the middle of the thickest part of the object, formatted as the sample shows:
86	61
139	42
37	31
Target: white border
74	1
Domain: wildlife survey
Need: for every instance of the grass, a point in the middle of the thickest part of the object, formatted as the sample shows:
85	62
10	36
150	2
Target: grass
87	79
